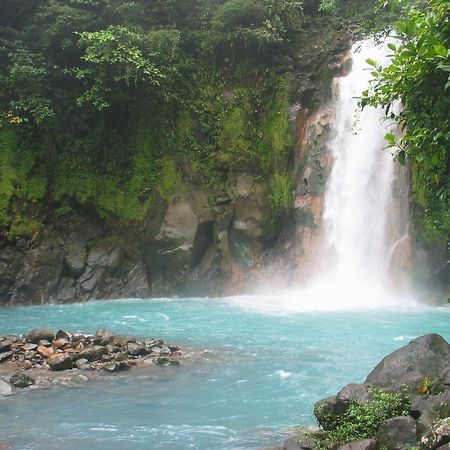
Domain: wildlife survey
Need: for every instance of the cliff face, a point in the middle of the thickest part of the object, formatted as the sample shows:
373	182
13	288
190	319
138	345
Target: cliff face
200	239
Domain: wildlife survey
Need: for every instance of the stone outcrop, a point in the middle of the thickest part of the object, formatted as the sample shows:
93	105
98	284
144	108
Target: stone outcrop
420	370
425	357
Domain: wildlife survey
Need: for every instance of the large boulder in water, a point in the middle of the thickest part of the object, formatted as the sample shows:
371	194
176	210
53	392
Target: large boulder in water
425	357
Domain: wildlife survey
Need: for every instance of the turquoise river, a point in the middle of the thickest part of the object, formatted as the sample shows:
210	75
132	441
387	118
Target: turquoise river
261	373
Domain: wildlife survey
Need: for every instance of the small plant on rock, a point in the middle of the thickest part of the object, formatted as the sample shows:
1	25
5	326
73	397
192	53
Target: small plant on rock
363	421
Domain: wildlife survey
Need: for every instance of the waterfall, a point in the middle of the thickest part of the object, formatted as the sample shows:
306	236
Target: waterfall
363	216
359	189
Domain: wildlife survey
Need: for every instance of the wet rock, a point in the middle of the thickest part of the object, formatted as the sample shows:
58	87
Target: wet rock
163	361
93	353
75	259
437	436
62	334
112	348
40	334
104	335
60	343
60	361
27	365
77	380
28	346
121	356
364	444
122	340
397	433
19	380
150	342
5	356
5	345
165	351
135	349
46	352
45	343
111	367
5	388
424	357
81	362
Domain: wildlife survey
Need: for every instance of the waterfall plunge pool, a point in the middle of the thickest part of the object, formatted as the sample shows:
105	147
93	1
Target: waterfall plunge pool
263	373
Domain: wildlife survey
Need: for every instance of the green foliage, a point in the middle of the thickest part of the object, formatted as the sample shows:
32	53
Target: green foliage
256	25
170	181
105	103
22	184
419	77
363	421
281	189
120	55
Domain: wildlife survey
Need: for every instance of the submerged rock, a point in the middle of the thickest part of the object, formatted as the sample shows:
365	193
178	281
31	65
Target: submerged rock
19	380
5	388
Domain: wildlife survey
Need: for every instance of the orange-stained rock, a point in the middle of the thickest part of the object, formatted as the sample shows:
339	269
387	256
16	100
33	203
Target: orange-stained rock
46	352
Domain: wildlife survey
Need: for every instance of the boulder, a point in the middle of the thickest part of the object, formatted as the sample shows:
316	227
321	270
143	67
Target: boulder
424	357
437	436
363	444
329	409
137	349
397	432
93	353
5	388
19	380
39	334
60	361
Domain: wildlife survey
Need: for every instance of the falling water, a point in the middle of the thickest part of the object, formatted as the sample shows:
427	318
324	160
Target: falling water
361	220
359	189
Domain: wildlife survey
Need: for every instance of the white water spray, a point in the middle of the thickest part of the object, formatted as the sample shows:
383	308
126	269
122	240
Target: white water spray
360	185
353	272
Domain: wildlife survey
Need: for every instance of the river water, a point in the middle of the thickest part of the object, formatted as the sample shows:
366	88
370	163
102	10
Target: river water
262	375
268	358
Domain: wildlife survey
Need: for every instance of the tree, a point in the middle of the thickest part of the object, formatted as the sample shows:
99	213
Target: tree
419	76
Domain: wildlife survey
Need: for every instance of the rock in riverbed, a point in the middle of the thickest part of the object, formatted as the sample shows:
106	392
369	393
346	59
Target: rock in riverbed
41	350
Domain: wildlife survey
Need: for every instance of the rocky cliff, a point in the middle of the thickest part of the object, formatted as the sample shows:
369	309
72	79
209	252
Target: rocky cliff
199	240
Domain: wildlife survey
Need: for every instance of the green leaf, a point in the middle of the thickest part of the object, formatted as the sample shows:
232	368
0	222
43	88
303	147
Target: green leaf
401	156
371	62
392	47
